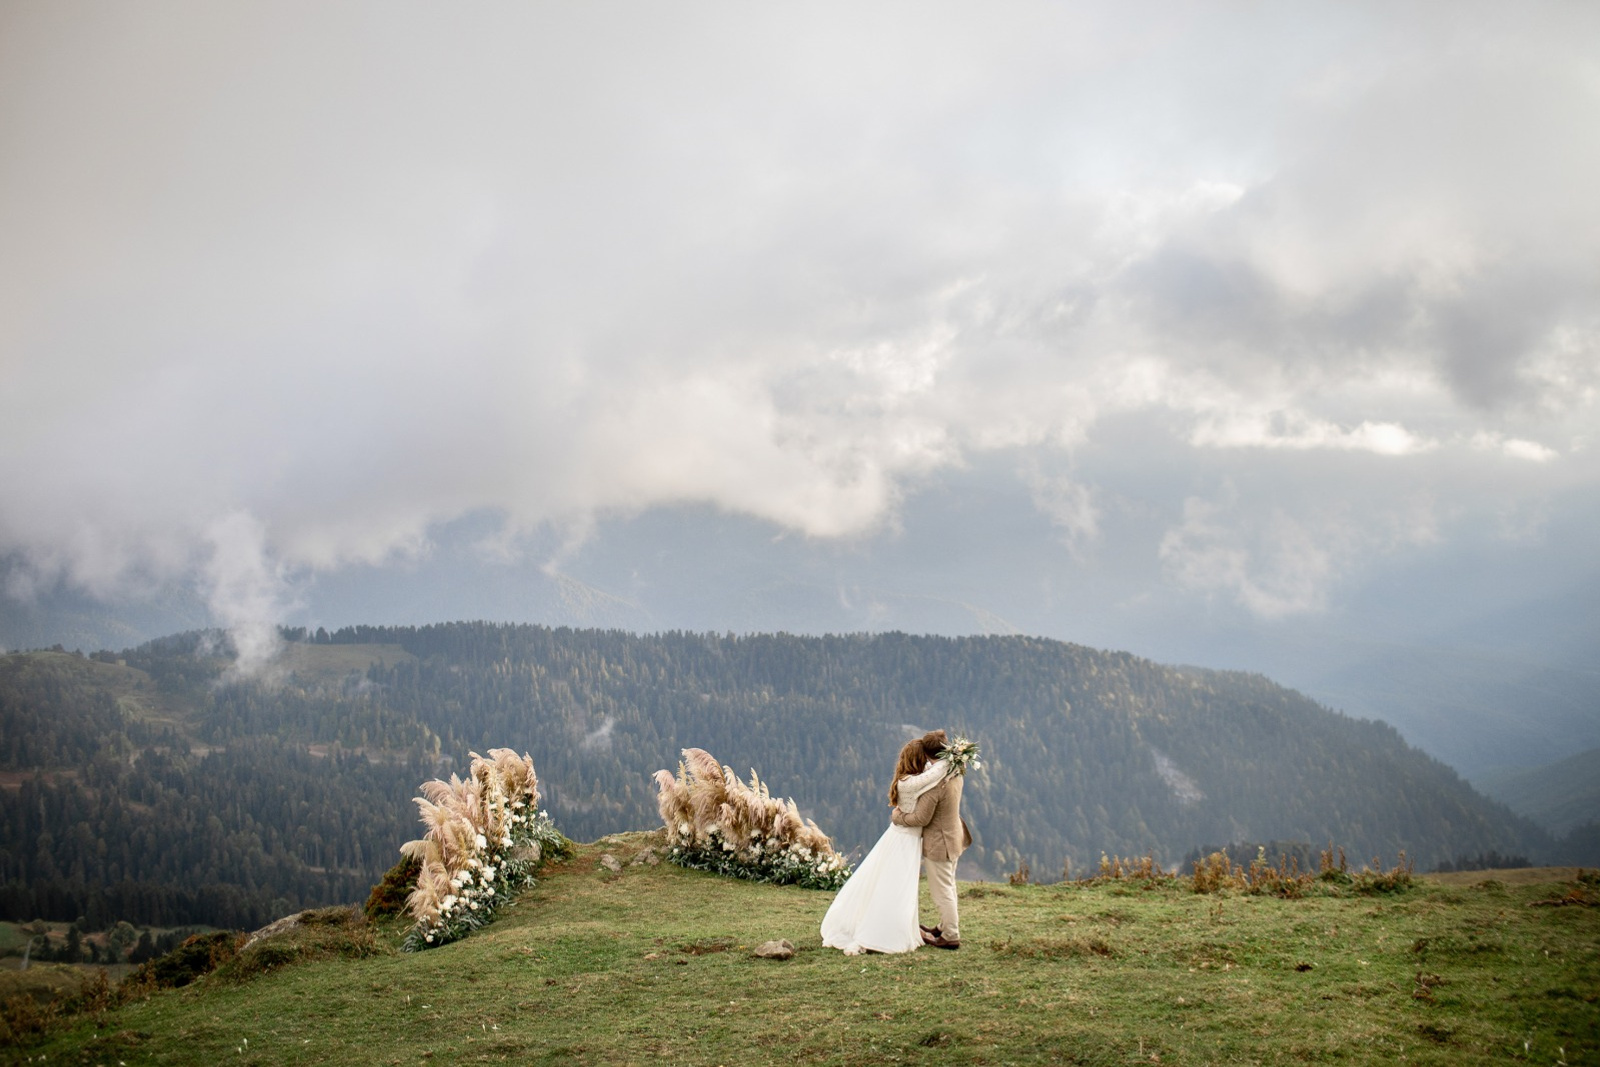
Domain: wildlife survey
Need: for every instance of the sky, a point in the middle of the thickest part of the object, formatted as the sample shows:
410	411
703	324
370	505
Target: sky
1189	327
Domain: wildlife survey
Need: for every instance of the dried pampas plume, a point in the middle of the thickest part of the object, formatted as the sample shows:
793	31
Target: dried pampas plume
716	821
461	818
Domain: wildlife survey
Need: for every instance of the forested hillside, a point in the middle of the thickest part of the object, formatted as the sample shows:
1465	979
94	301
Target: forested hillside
142	785
1560	796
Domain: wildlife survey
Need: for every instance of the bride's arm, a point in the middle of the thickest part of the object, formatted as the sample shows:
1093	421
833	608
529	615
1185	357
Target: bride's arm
913	786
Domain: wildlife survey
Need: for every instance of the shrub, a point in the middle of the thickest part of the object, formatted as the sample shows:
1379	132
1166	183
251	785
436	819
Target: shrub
1375	879
1217	872
1130	869
388	897
322	933
197	956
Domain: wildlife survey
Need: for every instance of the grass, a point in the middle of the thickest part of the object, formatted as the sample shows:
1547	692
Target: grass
332	664
654	963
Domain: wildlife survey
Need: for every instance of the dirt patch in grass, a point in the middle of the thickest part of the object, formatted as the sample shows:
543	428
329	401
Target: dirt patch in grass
707	947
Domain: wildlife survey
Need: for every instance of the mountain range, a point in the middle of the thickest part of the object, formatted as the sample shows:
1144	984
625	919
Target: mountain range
153	784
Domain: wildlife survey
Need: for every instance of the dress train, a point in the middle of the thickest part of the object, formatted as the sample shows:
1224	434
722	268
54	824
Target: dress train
877	908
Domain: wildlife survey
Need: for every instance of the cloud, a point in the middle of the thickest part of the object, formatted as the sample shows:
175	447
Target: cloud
1514	447
1282	559
1295	431
1274	567
284	289
245	590
1070	506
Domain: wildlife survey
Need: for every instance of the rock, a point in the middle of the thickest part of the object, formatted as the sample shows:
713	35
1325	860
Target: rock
774	950
273	929
610	863
648	857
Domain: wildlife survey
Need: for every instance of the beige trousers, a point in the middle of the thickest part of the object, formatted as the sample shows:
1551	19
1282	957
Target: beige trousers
942	888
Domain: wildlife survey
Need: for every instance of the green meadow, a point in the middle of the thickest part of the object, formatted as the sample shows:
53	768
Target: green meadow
655	964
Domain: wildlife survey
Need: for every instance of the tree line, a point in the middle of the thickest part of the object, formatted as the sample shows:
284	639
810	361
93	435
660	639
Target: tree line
140	786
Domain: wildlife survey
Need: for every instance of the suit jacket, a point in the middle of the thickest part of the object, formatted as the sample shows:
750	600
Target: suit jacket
944	832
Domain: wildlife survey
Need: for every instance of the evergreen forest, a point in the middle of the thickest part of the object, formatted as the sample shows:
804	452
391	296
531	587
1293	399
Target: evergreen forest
154	786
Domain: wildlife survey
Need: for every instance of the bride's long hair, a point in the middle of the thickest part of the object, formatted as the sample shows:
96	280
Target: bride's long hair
913	760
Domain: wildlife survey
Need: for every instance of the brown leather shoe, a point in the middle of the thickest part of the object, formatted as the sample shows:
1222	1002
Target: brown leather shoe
930	931
941	942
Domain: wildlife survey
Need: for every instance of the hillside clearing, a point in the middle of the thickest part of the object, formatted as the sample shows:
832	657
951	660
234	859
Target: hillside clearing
654	963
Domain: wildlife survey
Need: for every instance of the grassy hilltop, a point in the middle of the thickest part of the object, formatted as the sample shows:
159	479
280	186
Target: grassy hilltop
654	964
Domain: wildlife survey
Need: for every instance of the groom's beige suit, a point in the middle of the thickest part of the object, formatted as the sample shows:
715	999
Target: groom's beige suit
944	837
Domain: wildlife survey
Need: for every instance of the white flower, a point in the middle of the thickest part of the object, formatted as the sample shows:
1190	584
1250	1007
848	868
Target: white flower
490	891
483	842
428	938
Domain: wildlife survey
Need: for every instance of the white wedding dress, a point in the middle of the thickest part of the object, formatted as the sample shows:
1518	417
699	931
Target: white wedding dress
876	909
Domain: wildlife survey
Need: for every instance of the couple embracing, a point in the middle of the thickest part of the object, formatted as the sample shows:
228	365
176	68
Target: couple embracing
876	911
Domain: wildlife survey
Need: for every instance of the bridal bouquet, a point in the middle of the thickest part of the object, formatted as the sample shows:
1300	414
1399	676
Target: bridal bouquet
485	837
961	754
717	823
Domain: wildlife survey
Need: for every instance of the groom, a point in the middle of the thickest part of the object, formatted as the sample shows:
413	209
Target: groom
944	837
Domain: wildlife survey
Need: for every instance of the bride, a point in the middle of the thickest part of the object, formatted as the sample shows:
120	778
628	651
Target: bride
876	911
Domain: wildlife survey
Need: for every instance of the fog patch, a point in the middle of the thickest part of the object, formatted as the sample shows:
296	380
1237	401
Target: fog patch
599	739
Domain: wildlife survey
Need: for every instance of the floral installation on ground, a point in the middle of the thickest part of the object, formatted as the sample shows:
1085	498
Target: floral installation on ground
962	755
485	838
717	823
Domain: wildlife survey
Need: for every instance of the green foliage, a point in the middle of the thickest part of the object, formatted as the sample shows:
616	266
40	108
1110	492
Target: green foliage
388	897
197	956
779	866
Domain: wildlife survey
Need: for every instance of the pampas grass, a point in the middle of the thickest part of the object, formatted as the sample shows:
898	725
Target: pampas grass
715	822
485	836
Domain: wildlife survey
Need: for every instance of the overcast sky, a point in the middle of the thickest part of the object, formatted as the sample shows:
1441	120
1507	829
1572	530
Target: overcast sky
1308	295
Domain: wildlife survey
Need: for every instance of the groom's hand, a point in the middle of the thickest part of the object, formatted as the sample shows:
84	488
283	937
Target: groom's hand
898	818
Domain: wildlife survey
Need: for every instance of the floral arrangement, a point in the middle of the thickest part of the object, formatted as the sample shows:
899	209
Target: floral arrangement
485	838
717	823
962	755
